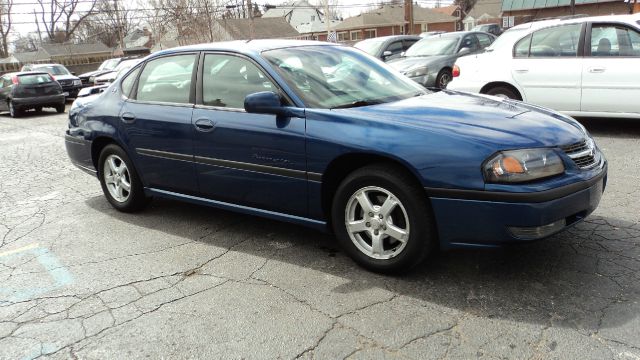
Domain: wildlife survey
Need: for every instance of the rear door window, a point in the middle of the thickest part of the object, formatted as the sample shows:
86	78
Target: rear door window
614	40
484	40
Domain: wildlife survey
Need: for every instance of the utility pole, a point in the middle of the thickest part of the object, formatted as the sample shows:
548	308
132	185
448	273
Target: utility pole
326	18
38	25
408	17
251	27
573	7
120	36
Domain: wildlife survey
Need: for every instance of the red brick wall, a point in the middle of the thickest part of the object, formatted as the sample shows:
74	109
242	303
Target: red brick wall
447	26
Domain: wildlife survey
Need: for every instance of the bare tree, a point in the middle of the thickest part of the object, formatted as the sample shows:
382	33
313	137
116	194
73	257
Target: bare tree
110	23
25	43
61	18
5	26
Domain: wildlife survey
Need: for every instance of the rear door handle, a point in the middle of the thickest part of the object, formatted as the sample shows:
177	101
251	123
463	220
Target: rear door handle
522	71
204	125
597	70
128	117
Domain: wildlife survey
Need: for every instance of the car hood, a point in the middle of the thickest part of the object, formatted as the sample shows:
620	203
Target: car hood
65	77
479	119
94	73
108	75
407	63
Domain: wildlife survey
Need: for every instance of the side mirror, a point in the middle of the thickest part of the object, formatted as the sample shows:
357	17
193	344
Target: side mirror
268	102
464	51
386	53
73	73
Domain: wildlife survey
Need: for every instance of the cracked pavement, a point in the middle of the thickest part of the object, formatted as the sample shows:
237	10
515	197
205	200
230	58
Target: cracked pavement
80	280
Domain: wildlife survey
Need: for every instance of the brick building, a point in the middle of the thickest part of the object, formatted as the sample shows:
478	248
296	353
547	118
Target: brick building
516	12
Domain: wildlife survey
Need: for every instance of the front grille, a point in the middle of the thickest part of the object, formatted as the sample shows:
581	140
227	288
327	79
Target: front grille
584	153
65	82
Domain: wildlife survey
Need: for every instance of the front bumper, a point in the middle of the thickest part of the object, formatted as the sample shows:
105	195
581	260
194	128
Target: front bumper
427	80
72	90
479	221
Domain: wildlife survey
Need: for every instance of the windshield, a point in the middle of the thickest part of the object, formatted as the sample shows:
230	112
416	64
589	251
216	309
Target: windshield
109	64
434	46
507	38
54	69
336	76
370	46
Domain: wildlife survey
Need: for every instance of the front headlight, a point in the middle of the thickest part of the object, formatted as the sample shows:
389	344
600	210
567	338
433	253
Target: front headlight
92	79
417	72
77	82
516	166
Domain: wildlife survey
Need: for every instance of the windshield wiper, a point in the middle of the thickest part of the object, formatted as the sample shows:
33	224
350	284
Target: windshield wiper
358	104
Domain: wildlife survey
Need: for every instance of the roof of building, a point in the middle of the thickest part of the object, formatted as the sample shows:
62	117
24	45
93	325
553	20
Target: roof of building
489	7
393	15
316	26
286	8
75	49
263	28
448	10
26	57
510	5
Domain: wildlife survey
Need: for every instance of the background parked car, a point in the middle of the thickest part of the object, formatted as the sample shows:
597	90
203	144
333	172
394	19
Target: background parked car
494	29
109	77
30	90
543	63
70	83
429	62
387	48
431	33
106	66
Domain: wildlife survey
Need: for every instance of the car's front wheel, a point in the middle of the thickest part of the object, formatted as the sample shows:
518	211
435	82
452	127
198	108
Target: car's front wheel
444	77
503	92
382	219
120	181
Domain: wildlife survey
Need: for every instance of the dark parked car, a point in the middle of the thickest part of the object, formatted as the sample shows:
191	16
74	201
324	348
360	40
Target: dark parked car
387	48
106	66
429	62
70	83
272	128
494	29
30	90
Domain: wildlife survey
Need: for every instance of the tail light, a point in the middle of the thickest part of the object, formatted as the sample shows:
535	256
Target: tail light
15	80
456	71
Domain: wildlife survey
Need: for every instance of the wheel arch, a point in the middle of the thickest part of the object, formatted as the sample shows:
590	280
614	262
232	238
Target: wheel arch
343	165
99	143
495	84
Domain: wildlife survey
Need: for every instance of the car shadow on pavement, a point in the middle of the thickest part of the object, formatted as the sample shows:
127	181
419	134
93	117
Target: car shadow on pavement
33	114
617	128
574	279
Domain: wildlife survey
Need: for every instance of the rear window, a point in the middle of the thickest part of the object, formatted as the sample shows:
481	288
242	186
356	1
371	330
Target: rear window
34	79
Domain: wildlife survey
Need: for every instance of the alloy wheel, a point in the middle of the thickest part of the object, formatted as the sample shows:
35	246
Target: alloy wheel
117	178
377	222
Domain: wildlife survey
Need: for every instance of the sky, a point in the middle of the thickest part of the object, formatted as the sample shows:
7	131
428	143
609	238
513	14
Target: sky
24	20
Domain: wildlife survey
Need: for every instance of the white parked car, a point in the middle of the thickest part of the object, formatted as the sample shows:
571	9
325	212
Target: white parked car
586	66
111	76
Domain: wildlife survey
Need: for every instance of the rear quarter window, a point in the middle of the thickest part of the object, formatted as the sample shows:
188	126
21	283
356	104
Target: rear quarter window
34	79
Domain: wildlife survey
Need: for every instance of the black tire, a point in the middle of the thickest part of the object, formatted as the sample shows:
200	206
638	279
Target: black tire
60	108
136	199
443	78
503	91
422	237
14	111
38	109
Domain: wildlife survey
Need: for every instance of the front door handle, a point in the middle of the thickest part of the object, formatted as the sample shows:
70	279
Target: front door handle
128	117
204	125
597	70
522	71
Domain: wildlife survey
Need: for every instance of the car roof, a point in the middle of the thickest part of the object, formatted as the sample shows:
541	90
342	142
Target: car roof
43	65
246	46
20	73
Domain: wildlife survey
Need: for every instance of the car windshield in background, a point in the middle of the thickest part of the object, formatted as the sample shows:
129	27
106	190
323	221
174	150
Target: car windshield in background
342	77
54	70
109	64
124	66
35	79
370	46
434	46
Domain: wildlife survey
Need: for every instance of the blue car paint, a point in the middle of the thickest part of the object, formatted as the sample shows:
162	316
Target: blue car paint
442	138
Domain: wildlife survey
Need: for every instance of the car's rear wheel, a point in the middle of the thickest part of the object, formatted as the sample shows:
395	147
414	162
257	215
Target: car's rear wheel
503	92
14	111
60	108
120	181
382	219
444	77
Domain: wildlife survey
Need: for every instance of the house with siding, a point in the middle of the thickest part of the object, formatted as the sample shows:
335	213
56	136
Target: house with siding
389	20
483	12
296	13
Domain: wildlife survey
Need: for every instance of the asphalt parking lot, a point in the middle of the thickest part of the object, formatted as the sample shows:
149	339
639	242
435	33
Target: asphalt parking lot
81	280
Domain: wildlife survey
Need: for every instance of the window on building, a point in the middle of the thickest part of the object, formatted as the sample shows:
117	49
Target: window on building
342	36
370	33
356	35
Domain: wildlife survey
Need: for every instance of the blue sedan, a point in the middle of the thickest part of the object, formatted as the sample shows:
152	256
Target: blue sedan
326	136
